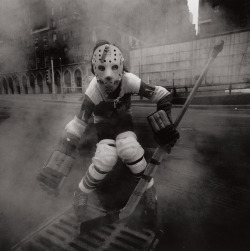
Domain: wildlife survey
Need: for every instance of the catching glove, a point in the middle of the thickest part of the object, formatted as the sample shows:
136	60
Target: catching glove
164	131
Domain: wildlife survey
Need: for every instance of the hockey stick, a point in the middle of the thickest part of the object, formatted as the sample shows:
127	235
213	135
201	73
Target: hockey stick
154	162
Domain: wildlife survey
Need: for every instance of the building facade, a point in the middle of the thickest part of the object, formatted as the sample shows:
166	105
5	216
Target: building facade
220	16
180	64
46	45
44	38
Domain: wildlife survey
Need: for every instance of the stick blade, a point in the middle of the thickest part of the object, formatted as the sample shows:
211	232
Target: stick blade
100	221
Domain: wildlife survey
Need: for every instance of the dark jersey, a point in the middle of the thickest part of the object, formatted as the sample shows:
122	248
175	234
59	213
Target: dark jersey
104	106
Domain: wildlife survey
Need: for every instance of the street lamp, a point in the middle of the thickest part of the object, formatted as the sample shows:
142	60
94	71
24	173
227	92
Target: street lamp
62	92
53	79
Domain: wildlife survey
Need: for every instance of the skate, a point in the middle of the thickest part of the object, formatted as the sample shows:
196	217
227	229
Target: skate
80	204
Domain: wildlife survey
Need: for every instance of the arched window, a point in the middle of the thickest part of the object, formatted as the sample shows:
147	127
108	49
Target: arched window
67	81
18	87
78	80
58	81
32	83
5	86
40	82
25	85
11	86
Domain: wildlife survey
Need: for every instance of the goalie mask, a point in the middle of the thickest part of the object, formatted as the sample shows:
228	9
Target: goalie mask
107	63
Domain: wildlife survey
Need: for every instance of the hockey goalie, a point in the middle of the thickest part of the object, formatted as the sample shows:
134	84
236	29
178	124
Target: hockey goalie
108	99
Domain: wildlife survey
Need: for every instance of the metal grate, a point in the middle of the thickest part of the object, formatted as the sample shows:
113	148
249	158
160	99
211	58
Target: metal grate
61	234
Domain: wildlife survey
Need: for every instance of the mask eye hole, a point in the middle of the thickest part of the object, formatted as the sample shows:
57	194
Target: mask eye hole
115	67
101	68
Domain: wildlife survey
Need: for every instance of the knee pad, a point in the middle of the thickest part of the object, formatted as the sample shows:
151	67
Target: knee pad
130	151
105	156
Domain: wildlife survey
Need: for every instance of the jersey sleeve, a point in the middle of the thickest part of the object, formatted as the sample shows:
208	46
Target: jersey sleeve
131	83
87	109
153	93
157	94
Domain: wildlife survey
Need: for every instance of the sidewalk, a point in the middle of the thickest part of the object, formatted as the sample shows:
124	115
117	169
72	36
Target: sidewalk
136	101
69	98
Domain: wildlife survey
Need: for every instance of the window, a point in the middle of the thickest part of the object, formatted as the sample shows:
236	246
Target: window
243	22
53	23
65	36
27	43
73	2
63	21
45	42
216	8
62	10
246	4
54	37
76	16
36	43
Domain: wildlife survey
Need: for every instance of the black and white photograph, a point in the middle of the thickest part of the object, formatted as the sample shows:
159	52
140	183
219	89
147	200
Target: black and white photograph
124	125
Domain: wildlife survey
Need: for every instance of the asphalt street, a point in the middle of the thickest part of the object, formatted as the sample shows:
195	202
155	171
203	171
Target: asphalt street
203	185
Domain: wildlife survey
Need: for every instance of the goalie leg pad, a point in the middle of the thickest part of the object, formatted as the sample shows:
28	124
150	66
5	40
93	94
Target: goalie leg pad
131	152
105	156
103	162
57	168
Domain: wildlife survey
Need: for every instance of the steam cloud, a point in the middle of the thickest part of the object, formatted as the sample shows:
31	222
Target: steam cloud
28	138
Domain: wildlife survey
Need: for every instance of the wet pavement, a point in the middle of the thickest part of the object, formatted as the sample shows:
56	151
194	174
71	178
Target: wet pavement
203	185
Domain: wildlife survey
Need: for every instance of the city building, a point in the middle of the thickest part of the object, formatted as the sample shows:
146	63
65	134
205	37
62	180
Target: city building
44	38
46	45
162	21
220	16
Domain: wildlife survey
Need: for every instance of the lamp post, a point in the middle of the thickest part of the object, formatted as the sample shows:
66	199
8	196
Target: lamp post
61	85
174	89
53	80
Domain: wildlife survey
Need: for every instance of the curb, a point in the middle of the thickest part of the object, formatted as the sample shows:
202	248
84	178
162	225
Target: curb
135	102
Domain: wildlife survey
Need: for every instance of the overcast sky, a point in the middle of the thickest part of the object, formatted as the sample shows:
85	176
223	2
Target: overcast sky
193	7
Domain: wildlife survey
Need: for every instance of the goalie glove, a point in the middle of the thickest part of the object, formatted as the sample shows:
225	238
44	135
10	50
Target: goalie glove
58	167
165	133
69	143
61	161
55	171
76	127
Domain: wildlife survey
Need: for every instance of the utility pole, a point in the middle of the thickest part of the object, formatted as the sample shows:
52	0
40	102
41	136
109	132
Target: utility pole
140	73
61	85
174	89
53	80
173	80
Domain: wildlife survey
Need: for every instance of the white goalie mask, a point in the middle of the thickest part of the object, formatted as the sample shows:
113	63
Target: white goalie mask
107	62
